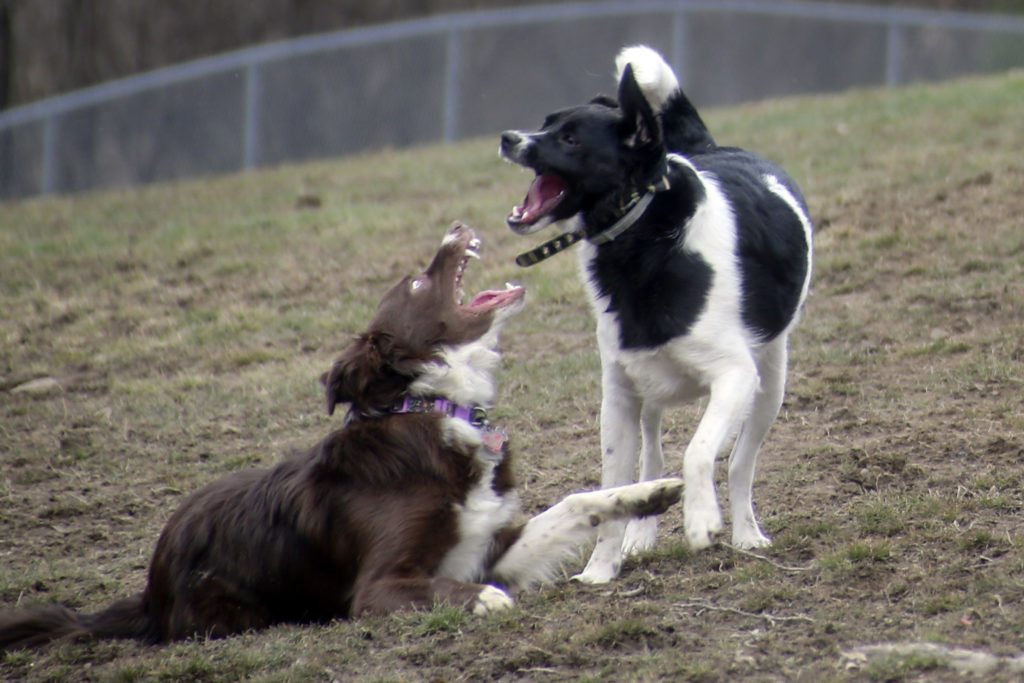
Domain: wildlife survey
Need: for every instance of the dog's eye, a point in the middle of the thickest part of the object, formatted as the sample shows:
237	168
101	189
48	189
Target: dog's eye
568	139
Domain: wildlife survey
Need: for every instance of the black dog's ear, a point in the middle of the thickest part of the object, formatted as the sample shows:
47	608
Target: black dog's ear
371	374
640	126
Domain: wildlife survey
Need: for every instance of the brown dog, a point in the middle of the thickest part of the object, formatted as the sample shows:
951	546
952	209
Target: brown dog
409	504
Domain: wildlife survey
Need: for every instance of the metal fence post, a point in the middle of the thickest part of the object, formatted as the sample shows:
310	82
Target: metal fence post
679	39
48	167
449	117
251	117
894	39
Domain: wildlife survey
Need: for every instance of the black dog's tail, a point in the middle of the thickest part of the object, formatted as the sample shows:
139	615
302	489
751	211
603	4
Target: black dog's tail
37	626
684	130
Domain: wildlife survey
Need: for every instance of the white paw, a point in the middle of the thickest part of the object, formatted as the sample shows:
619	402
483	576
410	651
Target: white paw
491	599
605	562
648	497
597	575
701	526
641	535
747	539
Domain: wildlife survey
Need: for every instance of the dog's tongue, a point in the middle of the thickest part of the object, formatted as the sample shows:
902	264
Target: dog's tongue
494	298
545	192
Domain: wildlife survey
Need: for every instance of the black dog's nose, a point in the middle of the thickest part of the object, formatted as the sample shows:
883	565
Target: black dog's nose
510	139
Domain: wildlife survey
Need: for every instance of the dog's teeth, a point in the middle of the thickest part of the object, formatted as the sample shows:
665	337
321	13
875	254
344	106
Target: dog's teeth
472	254
509	285
475	243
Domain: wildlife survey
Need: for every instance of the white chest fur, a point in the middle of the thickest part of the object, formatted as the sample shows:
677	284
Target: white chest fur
482	514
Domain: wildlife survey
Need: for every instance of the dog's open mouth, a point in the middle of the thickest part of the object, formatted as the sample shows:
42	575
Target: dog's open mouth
487	300
546	191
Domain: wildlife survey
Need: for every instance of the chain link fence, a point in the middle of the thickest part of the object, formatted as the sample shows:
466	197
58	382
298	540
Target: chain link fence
463	75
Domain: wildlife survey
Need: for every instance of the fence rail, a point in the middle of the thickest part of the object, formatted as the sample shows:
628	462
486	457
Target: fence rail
455	76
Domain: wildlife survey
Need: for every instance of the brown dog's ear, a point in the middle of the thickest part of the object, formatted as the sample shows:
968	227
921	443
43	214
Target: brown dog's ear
371	374
352	373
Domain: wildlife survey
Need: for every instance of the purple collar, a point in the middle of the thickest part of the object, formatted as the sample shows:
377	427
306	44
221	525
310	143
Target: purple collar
474	415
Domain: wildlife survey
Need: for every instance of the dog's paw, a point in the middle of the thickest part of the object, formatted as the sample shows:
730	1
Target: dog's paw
702	524
649	497
702	516
664	494
746	532
597	575
491	599
748	539
641	535
605	562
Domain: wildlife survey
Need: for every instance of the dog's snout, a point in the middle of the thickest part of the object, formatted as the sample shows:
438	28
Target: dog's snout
513	144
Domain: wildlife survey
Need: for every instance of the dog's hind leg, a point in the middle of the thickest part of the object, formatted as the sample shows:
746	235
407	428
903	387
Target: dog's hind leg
620	441
746	533
732	394
642	533
558	533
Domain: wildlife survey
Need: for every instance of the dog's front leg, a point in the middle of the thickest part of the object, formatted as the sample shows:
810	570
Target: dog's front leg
732	394
641	534
390	594
620	439
558	533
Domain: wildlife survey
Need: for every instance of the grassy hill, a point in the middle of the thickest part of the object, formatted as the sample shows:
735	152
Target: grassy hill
173	333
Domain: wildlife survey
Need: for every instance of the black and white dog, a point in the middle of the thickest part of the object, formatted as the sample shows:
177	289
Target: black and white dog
697	260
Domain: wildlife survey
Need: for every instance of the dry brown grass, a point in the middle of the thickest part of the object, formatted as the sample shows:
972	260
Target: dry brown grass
186	326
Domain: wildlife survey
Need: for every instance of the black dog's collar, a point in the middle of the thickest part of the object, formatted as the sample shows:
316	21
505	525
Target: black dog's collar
629	214
549	248
632	215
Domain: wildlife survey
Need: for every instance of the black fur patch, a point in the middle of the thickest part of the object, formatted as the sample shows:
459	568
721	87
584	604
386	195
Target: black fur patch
683	128
656	288
771	244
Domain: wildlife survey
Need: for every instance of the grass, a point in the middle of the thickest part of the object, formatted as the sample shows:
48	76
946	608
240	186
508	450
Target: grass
185	327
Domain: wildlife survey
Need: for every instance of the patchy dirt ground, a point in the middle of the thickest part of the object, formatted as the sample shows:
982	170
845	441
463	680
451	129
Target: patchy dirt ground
153	340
